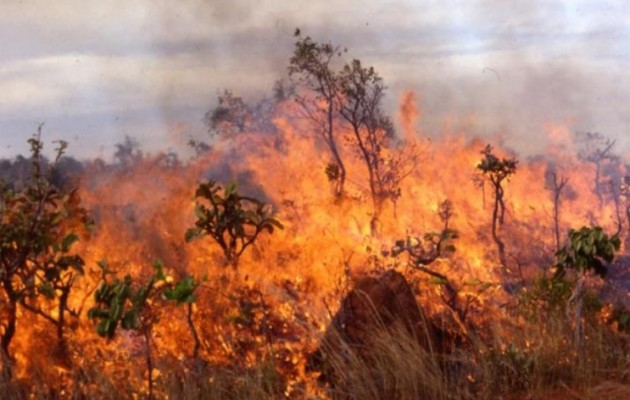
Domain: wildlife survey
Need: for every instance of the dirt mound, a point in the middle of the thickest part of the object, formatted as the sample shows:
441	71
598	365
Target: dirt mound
386	302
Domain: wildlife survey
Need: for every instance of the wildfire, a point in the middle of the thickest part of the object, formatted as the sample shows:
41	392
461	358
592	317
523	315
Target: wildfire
279	301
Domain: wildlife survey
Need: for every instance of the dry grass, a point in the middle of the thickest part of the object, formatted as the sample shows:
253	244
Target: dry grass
532	360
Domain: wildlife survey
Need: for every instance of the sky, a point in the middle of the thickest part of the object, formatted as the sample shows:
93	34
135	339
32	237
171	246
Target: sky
96	71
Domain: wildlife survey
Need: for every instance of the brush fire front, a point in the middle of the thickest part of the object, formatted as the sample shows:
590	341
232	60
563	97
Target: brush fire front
311	251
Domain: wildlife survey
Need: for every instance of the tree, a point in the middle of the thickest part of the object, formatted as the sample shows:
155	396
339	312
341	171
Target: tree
231	116
128	152
362	92
556	187
183	292
39	225
311	66
597	150
232	220
497	171
589	250
423	252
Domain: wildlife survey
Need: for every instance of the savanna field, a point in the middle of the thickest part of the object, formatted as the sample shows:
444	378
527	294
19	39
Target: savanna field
316	246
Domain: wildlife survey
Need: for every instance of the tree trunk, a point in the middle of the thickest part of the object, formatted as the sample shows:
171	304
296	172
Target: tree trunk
149	359
495	234
61	323
578	299
193	331
9	333
332	145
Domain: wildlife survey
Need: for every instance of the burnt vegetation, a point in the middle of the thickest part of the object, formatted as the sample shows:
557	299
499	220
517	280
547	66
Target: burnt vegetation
358	266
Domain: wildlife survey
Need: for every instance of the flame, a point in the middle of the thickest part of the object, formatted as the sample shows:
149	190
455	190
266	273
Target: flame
143	211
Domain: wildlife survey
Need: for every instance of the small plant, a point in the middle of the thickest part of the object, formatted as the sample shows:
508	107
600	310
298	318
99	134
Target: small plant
129	305
125	304
232	220
589	250
183	293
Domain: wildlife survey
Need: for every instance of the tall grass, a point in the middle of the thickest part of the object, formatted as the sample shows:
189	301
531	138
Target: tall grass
523	360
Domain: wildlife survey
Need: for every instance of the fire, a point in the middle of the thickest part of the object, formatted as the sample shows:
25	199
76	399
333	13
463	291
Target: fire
289	281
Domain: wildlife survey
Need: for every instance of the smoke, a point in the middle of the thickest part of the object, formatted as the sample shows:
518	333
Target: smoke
489	67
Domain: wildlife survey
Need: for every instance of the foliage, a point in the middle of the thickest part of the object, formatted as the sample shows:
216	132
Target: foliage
183	291
495	168
588	249
422	252
126	304
39	225
546	297
121	303
232	220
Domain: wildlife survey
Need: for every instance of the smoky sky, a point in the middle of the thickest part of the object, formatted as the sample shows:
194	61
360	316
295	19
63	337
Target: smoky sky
97	71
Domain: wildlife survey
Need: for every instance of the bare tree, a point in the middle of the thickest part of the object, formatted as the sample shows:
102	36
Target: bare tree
556	187
597	150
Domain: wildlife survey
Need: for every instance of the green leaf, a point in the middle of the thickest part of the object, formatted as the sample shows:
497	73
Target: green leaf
106	328
159	270
437	280
47	290
200	212
130	320
192	233
68	241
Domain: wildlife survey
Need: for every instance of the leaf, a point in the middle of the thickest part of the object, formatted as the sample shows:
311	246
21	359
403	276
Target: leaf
450	248
130	320
200	212
192	234
68	241
106	328
47	290
159	270
437	280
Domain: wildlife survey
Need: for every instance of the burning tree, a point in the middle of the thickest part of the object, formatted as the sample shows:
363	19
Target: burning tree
38	270
232	220
423	252
362	92
497	170
311	66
